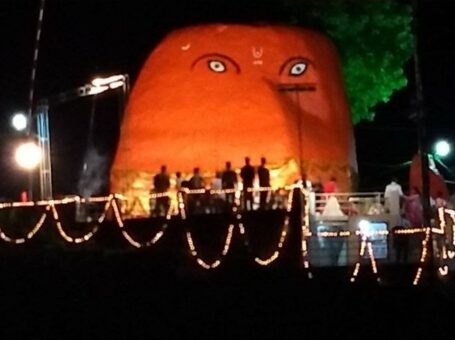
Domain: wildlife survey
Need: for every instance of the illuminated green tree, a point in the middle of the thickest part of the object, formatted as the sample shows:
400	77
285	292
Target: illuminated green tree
374	39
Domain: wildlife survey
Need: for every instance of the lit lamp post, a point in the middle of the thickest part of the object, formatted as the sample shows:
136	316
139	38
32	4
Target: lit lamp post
19	121
28	155
441	149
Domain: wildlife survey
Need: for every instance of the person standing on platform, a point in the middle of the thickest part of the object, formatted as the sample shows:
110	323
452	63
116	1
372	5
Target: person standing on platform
216	199
331	201
264	182
440	202
247	175
317	186
178	180
413	208
161	185
392	196
331	186
229	181
306	183
400	241
196	183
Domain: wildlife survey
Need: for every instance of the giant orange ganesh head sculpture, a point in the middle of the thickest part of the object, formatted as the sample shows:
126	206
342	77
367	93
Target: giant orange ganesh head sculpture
212	93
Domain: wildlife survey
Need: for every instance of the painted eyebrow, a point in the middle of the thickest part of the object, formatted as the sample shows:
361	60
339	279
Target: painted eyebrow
306	60
219	55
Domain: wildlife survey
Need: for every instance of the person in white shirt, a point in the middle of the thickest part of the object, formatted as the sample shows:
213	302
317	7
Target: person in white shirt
216	200
392	194
178	180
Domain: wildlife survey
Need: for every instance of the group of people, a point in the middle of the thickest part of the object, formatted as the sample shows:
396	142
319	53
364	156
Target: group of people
227	179
409	208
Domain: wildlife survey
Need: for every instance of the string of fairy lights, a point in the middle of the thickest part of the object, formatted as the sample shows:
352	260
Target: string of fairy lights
306	231
129	237
283	235
365	244
113	203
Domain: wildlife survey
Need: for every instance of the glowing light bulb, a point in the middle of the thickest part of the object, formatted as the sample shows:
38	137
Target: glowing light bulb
442	148
19	121
28	155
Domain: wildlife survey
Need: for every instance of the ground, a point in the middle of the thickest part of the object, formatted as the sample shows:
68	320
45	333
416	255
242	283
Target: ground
87	294
105	288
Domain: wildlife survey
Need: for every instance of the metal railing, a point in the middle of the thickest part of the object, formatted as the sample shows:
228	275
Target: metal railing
350	204
206	201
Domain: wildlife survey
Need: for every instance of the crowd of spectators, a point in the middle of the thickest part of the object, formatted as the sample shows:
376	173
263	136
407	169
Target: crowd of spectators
225	180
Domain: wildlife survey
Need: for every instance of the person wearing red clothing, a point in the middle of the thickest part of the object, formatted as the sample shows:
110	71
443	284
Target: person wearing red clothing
331	186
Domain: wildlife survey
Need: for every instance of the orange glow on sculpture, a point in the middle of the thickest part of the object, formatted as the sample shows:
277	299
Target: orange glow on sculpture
212	93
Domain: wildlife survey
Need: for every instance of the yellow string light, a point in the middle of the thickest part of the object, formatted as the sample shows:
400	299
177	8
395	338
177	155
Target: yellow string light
98	199
331	234
372	259
276	253
365	245
181	205
227	243
65	236
241	229
444	252
269	260
442	222
423	256
117	215
442	212
373	233
284	232
345	233
29	235
409	231
107	206
443	270
305	230
356	272
130	238
261	189
110	203
194	191
217	262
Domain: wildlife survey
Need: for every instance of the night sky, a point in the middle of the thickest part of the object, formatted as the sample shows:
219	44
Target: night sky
83	39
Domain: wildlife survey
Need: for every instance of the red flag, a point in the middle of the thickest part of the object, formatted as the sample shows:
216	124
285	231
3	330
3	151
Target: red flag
437	182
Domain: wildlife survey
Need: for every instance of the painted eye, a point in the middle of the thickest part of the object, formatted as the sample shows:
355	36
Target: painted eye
215	62
297	69
217	66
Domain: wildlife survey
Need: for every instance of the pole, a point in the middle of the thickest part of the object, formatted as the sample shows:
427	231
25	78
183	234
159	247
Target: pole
44	140
297	88
423	143
32	84
35	62
299	131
